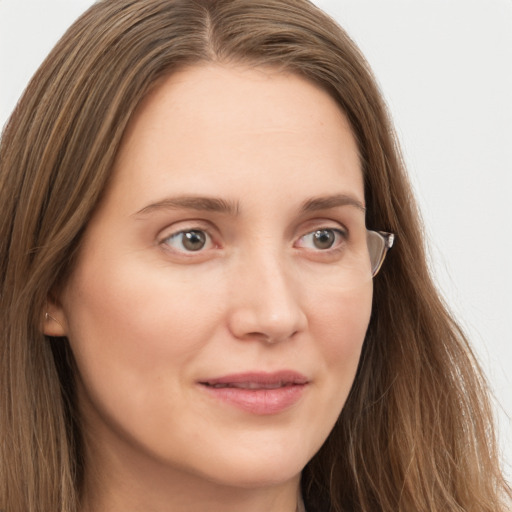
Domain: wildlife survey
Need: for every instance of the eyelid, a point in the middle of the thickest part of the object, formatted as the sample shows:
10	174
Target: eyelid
185	225
318	223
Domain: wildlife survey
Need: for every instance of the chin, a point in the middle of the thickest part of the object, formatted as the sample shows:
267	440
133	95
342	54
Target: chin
269	473
258	467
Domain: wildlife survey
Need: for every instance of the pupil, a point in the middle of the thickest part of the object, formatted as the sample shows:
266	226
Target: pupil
323	239
194	240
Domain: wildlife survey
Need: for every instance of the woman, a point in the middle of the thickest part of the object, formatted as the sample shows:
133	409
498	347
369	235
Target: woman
189	320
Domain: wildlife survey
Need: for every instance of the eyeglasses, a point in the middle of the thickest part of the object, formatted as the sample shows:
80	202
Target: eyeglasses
362	255
379	243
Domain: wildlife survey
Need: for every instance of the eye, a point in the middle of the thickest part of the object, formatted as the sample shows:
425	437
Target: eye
322	239
192	240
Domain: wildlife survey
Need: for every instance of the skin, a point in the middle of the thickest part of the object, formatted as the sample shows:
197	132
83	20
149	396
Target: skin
148	320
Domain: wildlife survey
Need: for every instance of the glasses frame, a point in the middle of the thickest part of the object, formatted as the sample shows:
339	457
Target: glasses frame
387	240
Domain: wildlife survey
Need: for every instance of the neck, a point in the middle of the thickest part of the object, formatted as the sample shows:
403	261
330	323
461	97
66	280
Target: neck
190	498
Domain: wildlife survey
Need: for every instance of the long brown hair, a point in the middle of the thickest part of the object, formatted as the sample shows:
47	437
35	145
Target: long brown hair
416	431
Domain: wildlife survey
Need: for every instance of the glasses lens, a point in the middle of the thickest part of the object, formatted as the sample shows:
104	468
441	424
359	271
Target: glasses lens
358	259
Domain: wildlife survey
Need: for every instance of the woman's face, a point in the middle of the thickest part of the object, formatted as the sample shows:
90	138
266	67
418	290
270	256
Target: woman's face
213	310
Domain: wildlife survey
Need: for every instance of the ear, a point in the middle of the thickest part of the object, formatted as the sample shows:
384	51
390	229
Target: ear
54	319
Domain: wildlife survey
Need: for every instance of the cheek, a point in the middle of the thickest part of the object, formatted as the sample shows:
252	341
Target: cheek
135	338
338	324
130	329
344	319
126	307
340	329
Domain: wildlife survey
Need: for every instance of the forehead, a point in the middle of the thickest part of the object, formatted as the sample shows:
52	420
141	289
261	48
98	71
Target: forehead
206	128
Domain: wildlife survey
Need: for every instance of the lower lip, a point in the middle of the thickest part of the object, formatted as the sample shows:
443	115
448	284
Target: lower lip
259	401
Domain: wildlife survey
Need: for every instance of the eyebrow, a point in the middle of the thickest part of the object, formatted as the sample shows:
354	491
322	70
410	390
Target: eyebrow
208	204
327	202
218	205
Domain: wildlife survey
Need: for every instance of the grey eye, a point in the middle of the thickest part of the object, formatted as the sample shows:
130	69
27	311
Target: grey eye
188	241
324	238
321	239
194	240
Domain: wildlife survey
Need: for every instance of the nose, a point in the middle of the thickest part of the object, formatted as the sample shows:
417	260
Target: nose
266	301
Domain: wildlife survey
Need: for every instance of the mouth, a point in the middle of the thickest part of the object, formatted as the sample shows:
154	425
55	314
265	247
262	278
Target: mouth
257	380
250	385
258	392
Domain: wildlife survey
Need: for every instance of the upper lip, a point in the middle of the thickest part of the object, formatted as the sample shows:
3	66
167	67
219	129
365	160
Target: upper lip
258	380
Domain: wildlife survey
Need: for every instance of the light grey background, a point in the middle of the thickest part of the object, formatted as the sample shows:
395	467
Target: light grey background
445	68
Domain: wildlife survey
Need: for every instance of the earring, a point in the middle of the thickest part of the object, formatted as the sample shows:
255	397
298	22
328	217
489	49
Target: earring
49	317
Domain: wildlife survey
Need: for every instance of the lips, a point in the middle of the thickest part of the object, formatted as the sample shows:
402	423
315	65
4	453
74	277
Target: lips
258	392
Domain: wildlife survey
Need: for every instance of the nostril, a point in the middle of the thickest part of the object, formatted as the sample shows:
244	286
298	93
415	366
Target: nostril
269	338
261	336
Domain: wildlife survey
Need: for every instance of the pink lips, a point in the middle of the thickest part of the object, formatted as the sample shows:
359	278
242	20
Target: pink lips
258	392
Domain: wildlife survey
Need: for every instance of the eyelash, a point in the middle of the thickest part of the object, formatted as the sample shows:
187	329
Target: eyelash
340	237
